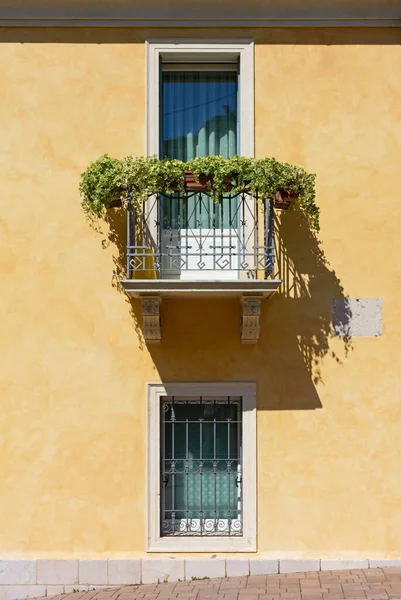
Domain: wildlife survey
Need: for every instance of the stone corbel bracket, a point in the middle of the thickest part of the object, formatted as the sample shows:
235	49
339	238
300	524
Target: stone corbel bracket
151	323
250	322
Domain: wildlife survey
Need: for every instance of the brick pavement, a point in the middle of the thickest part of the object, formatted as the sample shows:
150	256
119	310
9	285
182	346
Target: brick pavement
372	584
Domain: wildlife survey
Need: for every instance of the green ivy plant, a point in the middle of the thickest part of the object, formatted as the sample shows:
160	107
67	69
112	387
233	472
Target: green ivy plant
109	180
220	174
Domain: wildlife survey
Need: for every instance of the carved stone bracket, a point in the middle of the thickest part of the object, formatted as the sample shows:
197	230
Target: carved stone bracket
151	324
251	308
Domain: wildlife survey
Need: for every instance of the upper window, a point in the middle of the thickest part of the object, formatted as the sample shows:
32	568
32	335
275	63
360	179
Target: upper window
200	98
200	103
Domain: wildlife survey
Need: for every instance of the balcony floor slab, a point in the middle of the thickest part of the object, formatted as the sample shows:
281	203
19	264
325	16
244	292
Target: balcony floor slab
177	288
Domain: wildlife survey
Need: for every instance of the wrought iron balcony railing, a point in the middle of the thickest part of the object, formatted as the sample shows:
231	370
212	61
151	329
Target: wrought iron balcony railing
188	236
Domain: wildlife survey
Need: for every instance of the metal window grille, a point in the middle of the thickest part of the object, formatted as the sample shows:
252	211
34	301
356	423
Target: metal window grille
201	466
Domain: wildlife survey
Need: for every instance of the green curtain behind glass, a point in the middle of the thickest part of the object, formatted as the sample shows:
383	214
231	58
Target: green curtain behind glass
199	113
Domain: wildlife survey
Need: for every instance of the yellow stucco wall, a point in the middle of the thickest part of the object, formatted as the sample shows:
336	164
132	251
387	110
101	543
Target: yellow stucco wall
73	366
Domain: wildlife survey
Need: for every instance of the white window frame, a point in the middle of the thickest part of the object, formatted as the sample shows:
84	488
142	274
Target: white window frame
191	50
244	543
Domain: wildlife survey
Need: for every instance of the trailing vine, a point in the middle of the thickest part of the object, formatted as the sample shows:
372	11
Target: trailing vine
108	180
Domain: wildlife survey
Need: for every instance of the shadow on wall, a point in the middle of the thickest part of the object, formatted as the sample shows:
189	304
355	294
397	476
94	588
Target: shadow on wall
201	337
307	292
113	230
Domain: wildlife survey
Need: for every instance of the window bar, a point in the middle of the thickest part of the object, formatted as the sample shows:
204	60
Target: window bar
239	467
243	230
241	478
178	226
200	471
214	224
271	229
172	467
171	218
266	210
187	471
184	226
195	212
229	469
230	231
163	482
227	210
200	228
215	466
221	229
158	225
256	246
129	239
269	236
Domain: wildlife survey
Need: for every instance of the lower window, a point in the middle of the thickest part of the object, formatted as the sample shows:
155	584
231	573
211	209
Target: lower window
202	467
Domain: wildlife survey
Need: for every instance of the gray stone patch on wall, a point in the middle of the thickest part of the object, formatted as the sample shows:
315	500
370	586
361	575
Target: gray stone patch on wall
358	317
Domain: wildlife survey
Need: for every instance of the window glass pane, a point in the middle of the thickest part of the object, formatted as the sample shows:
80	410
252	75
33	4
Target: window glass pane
199	113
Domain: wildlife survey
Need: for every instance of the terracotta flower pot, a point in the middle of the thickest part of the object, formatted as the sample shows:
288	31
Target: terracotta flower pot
283	199
191	185
228	185
202	185
116	203
205	179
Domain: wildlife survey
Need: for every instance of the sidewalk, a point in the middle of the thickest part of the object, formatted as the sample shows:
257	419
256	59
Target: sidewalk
372	584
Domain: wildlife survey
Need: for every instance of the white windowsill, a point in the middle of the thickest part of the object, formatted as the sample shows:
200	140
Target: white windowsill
198	544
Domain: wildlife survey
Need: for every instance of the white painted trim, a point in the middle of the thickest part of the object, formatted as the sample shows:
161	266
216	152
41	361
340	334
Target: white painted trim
199	49
157	543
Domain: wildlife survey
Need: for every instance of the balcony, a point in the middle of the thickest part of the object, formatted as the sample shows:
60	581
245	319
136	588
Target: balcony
188	245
